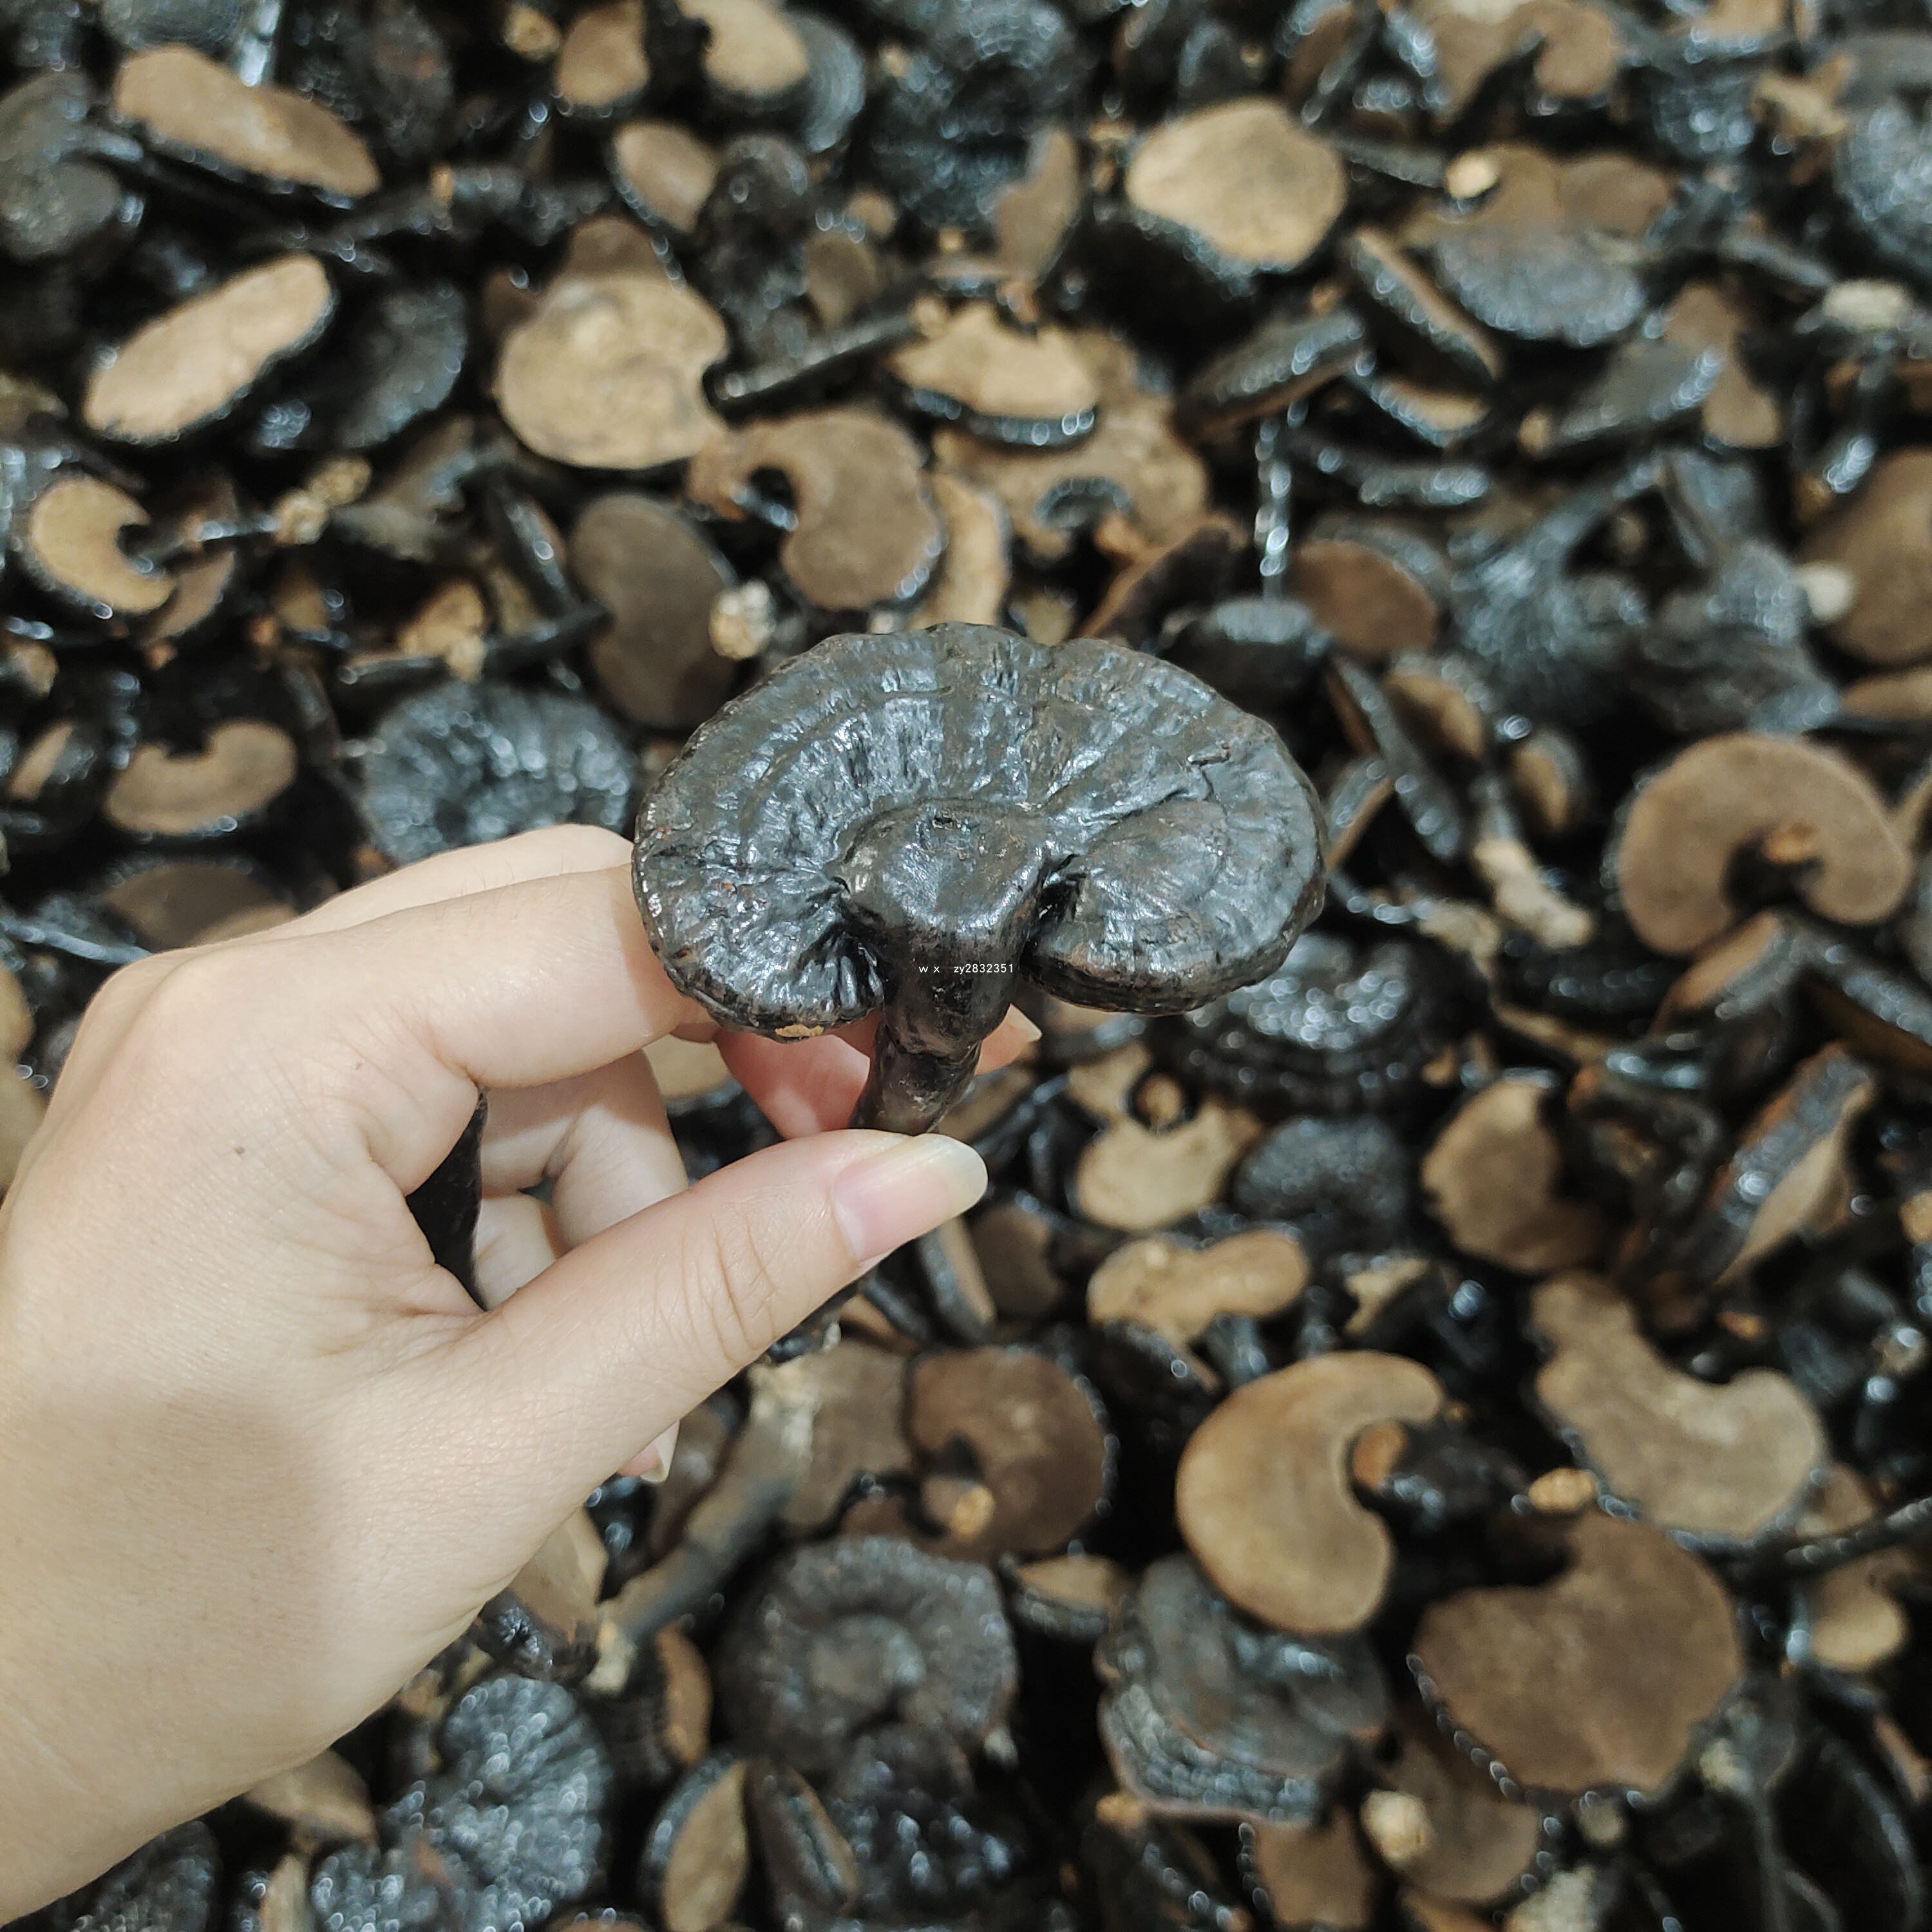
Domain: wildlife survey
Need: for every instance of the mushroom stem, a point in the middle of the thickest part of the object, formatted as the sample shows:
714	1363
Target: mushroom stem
908	1091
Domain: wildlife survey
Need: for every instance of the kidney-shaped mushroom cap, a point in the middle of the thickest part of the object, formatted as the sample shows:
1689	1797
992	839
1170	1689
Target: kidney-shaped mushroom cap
1263	1493
1206	1717
907	820
844	1637
1132	839
1722	1464
1599	1680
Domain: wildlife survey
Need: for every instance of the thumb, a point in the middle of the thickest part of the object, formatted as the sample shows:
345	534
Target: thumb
614	1342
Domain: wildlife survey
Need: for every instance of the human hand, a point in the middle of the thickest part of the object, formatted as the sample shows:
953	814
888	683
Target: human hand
263	1458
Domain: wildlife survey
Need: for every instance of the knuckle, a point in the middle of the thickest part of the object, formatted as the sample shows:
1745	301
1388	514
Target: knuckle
727	1285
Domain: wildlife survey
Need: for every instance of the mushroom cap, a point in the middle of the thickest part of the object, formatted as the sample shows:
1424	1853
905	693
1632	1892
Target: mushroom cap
1263	1493
1206	1717
1599	1680
1174	844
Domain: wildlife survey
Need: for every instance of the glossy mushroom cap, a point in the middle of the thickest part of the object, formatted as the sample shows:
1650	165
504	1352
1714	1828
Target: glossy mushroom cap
910	821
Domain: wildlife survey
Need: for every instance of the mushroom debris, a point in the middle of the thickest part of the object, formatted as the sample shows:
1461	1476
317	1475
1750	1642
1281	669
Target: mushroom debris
1431	1428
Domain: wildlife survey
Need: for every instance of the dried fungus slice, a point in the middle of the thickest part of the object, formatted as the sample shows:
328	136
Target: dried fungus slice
465	764
191	365
866	534
1852	1621
665	172
602	63
1598	1681
841	1637
974	575
519	1806
1177	1287
1739	413
1307	1876
172	1884
1000	383
658	579
1035	1438
1135	1178
1263	1494
1730	796
245	766
1721	1465
1133	463
1070	1598
188	105
1784	1170
1244	180
608	374
324	1799
1492	1176
1883	539
754	57
1378	587
893	822
697	1856
71	546
1476	1846
1419	310
856	1396
1203	1717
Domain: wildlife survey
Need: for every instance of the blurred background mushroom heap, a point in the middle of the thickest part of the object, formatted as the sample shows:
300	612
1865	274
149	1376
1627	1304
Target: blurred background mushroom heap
1436	1437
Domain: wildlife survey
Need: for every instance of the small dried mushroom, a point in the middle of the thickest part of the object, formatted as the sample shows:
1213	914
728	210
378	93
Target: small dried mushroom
842	1637
1203	1717
1263	1497
1719	1465
1599	1680
1141	844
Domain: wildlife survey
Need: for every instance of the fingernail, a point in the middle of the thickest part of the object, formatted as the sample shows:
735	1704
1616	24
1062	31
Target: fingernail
664	1449
884	1202
1020	1024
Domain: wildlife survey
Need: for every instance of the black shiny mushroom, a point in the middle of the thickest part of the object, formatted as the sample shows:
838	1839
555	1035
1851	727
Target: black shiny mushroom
866	1632
912	822
1206	1717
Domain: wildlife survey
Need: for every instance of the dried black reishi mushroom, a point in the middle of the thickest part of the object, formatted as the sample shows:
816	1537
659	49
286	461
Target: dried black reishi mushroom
466	764
1139	844
172	1884
844	1637
1338	1029
1206	1717
518	1811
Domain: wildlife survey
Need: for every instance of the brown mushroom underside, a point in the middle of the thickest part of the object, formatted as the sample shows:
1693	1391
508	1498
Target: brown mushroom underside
753	51
73	534
1724	1462
1491	1176
1263	1494
1853	1621
658	580
1135	1180
867	532
667	168
1373	608
975	574
1694	820
1600	1679
602	60
245	764
191	363
1035	1442
1314	1875
1478	1844
979	362
607	374
1247	178
1177	1290
195	104
1883	538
